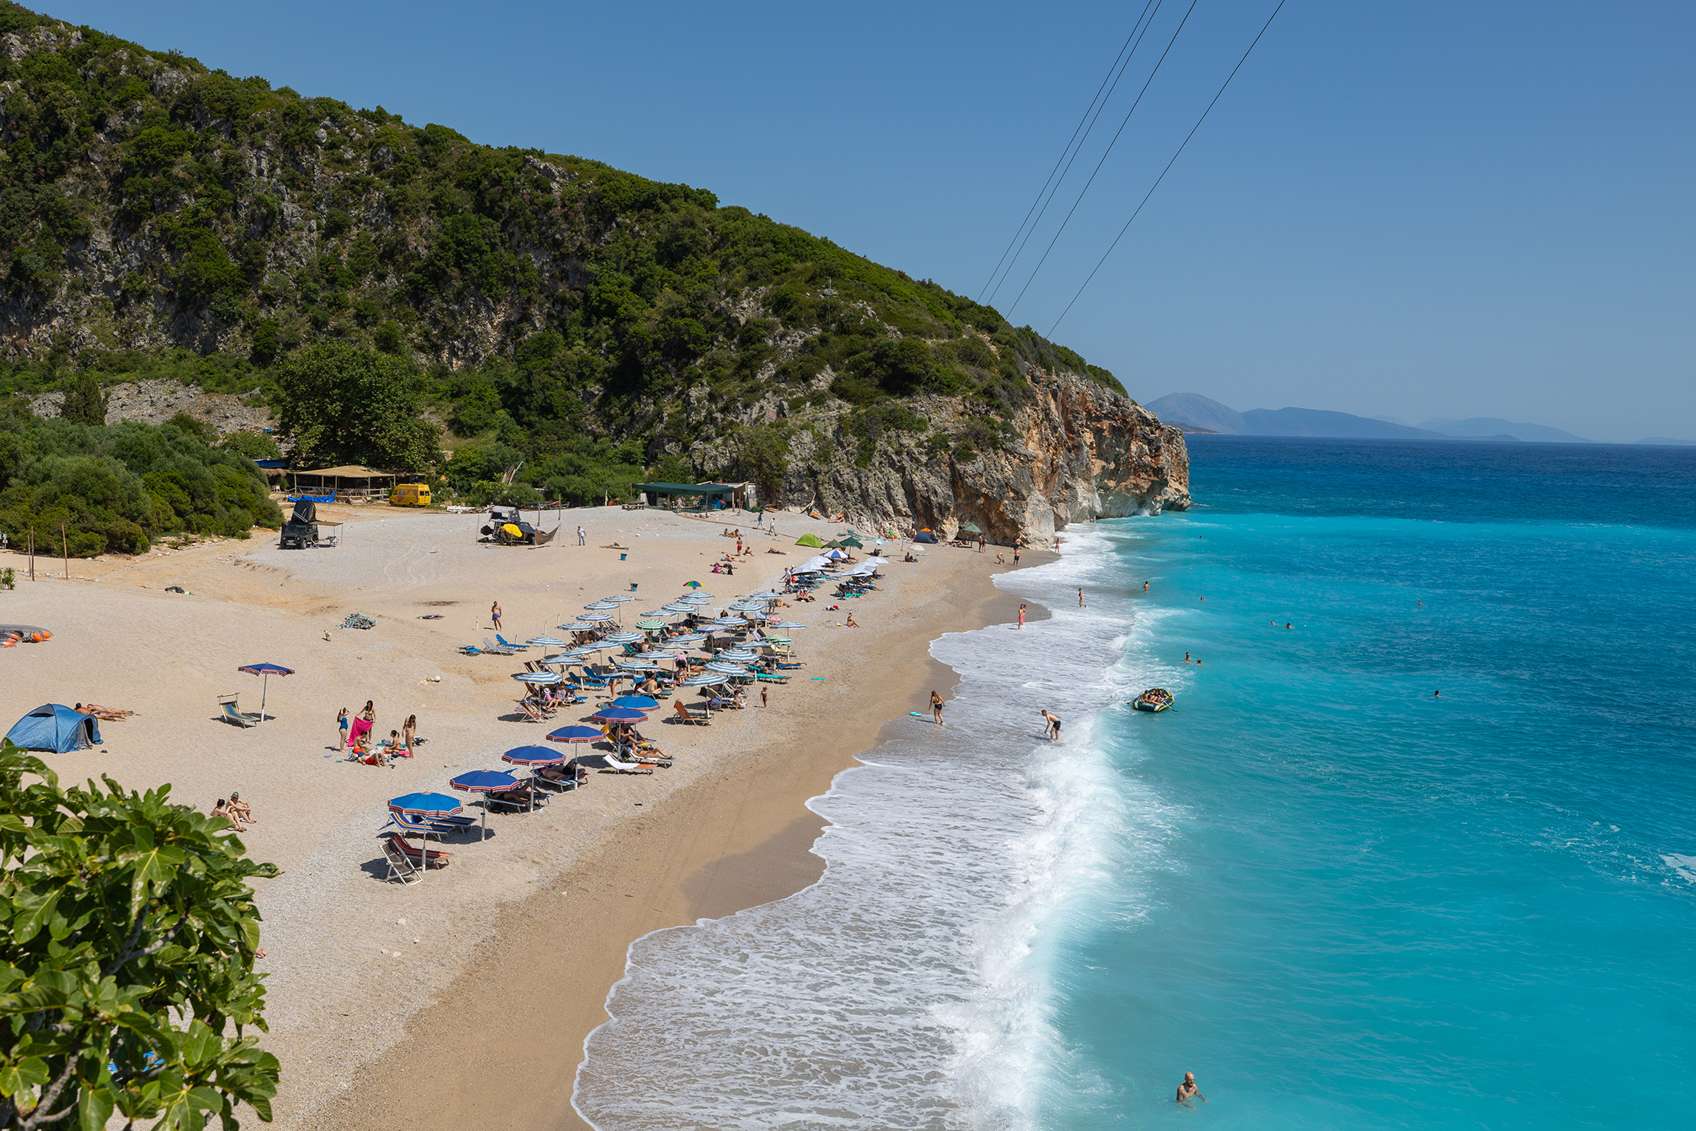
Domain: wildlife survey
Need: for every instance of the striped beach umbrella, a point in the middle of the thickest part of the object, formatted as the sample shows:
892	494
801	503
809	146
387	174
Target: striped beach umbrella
538	679
533	756
579	733
484	781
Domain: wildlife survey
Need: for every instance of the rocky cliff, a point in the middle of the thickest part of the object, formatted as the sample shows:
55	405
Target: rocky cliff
585	325
1079	452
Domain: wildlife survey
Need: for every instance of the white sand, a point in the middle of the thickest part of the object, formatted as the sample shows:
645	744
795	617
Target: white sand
351	958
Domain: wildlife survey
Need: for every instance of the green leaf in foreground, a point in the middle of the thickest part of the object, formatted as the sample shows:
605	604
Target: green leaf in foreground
127	941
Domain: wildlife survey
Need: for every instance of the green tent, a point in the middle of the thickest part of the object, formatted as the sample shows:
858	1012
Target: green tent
970	528
811	541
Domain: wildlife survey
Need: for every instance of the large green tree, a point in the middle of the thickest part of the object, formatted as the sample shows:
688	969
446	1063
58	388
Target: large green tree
127	941
342	403
84	402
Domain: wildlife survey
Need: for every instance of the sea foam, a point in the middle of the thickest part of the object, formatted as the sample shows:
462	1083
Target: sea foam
912	985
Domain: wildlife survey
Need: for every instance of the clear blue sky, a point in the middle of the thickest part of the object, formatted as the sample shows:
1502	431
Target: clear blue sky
1449	207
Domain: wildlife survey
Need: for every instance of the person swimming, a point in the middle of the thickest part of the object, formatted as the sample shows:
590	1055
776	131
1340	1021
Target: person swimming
1188	1093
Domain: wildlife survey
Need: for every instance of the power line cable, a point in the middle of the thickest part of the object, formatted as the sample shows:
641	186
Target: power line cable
1178	153
1123	122
1080	134
1067	171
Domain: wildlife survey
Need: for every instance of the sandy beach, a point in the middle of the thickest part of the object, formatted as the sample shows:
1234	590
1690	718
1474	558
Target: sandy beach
389	1000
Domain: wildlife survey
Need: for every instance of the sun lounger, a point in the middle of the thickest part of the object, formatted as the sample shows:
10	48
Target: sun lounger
407	860
470	650
519	797
615	766
505	643
531	712
230	713
493	649
681	712
559	778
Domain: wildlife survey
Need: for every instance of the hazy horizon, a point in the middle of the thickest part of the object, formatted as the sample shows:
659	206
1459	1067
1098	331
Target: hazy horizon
1399	211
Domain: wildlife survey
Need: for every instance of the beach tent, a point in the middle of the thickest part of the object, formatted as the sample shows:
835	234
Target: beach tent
925	537
54	727
810	540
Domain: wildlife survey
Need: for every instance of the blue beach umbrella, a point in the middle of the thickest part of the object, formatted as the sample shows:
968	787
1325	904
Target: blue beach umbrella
425	804
485	781
264	671
578	625
576	734
636	703
595	620
619	598
618	715
533	756
601	606
538	679
546	642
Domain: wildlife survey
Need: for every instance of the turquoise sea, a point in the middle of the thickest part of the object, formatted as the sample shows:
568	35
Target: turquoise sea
1340	899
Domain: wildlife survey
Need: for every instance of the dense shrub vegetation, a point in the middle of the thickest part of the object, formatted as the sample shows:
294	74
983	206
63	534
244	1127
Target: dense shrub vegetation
548	310
118	488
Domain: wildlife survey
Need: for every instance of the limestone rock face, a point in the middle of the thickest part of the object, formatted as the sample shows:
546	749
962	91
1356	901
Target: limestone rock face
1080	451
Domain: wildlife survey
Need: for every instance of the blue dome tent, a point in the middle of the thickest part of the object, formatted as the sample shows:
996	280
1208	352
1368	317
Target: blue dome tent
55	727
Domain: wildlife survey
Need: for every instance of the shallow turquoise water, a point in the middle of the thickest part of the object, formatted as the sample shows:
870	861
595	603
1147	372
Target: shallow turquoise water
1372	907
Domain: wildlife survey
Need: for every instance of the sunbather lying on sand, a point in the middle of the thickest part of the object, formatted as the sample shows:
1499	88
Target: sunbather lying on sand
105	714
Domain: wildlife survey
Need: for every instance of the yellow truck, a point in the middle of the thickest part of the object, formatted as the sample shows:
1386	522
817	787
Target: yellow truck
410	495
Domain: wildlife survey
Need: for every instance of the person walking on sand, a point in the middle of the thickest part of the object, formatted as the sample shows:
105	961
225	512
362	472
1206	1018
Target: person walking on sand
582	535
763	690
1052	722
495	615
1021	614
1188	1093
936	708
341	730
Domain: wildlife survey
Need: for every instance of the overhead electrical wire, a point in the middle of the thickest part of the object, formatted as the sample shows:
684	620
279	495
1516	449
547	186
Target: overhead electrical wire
1174	159
1123	122
1074	146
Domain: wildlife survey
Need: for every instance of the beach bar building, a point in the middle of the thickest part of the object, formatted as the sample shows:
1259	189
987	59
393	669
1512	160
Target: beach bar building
698	496
330	484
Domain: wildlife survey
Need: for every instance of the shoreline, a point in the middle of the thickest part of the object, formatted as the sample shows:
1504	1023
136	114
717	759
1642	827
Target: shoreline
540	982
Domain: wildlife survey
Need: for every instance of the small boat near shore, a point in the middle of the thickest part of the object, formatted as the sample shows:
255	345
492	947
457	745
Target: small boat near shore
1154	699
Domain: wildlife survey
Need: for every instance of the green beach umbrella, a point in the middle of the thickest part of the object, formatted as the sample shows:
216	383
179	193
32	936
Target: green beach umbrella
650	625
970	528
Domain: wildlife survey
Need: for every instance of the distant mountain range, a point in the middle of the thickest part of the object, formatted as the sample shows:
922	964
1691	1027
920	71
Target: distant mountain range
1196	413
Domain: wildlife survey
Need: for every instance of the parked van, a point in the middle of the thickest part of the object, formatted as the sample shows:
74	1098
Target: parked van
410	495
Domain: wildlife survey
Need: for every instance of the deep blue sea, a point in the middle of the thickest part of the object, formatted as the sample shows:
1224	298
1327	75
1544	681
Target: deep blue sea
1341	899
